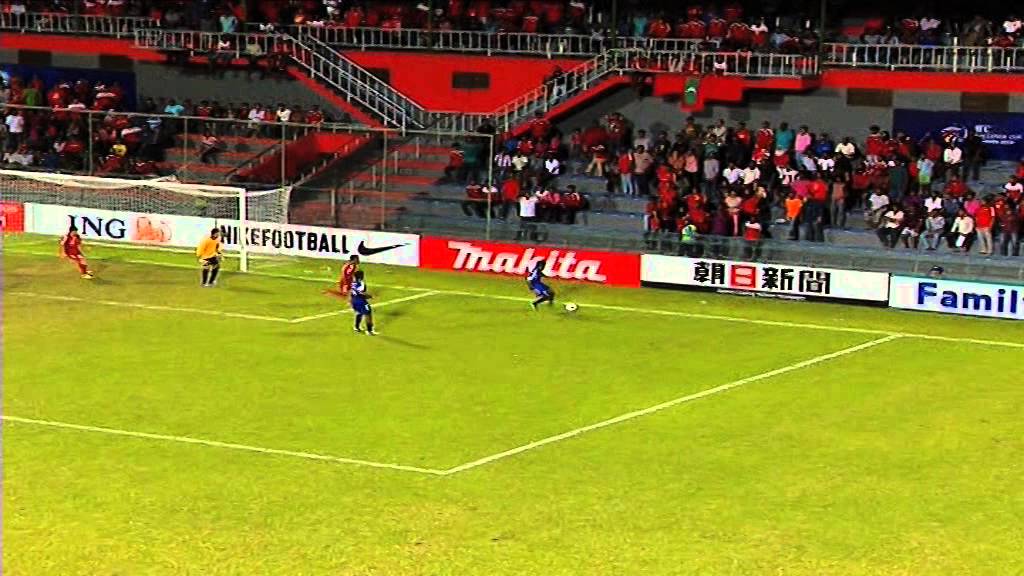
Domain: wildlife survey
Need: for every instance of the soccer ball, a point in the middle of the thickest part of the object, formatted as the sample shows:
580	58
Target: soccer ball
571	307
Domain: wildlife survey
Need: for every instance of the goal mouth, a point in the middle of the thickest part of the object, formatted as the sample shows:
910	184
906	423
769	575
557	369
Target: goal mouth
143	200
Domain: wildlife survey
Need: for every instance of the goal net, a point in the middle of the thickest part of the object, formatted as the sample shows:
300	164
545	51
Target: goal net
162	211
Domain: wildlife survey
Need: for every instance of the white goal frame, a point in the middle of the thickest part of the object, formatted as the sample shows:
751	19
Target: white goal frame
168	184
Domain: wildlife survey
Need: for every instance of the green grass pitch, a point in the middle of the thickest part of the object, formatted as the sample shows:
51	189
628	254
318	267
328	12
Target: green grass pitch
153	427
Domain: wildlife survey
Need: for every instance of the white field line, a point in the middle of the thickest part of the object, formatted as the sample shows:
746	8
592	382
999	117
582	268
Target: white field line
632	310
172	250
153	307
669	404
225	445
375	306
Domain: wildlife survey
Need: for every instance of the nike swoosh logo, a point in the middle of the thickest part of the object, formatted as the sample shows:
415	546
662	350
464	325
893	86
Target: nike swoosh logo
363	250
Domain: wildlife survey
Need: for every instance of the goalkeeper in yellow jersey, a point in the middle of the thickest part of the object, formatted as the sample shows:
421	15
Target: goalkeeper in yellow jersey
209	255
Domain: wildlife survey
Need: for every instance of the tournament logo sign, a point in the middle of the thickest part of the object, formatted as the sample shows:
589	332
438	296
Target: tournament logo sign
1002	134
611	268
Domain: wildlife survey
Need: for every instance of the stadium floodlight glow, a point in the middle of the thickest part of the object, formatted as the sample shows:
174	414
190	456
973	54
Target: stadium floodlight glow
150	196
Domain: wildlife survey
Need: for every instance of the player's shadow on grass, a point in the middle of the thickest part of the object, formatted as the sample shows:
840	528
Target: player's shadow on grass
402	342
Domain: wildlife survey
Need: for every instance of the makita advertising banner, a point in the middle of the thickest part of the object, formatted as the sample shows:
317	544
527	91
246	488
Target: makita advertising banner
774	280
611	268
958	297
261	237
1003	134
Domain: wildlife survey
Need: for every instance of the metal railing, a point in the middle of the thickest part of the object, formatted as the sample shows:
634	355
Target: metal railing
573	82
206	43
969	59
325	64
317	60
347	76
521	43
63	23
748	64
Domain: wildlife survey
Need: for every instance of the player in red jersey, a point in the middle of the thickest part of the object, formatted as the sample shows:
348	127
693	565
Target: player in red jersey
348	273
71	248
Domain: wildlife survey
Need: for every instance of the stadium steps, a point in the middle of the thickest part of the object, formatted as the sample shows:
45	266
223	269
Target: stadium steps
359	216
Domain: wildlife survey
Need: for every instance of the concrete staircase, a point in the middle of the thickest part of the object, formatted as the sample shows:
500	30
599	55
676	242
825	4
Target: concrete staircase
239	151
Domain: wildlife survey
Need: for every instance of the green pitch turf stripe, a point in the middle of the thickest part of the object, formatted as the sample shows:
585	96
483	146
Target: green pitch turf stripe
669	404
153	307
225	445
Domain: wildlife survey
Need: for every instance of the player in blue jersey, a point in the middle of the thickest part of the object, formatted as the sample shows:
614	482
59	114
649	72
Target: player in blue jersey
535	280
361	304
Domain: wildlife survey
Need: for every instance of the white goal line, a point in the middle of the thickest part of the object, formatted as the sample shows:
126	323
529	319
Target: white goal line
475	463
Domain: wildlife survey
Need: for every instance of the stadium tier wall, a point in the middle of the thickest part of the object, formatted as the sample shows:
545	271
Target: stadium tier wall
162	80
832	110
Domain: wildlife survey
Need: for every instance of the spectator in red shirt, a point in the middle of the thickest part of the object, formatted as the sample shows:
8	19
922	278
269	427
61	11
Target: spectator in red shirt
453	172
510	190
1009	229
476	201
572	203
956	187
743	136
765	137
984	219
539	126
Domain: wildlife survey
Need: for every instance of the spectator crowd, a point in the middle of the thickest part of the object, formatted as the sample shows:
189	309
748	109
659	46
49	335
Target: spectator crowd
57	127
721	181
729	25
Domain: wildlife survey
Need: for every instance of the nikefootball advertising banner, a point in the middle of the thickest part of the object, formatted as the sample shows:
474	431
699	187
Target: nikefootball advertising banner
755	278
261	237
612	268
322	242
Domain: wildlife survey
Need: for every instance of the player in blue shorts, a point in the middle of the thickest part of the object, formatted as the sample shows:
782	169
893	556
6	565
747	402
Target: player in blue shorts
535	280
361	304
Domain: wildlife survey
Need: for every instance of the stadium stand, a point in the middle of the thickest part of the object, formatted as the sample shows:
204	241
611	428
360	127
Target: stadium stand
711	179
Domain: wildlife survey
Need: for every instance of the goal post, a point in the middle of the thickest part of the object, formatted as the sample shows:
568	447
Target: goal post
157	211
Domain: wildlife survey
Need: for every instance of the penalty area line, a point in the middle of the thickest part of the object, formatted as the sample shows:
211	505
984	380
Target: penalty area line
223	445
669	404
381	305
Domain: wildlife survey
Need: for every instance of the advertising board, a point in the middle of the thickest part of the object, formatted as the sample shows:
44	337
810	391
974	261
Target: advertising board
755	278
611	268
957	297
261	237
